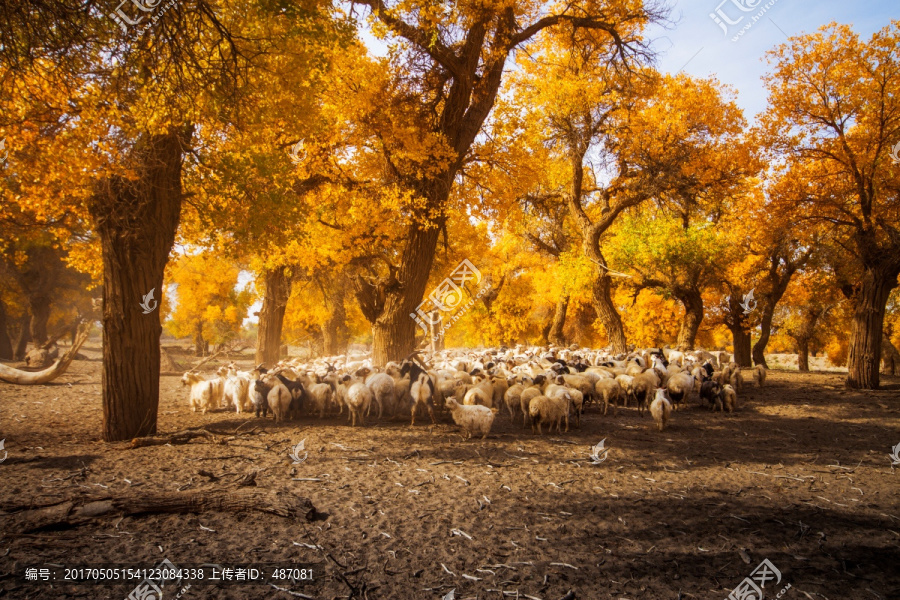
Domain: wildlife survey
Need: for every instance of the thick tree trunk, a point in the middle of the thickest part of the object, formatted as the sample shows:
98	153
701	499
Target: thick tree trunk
40	315
803	354
890	356
692	302
601	298
555	334
271	316
864	359
22	340
136	220
6	349
741	340
335	334
394	331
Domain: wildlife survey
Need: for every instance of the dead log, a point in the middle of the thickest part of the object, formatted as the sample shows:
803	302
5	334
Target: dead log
181	437
72	513
11	375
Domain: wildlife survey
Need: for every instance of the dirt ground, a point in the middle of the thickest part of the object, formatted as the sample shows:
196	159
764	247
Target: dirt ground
799	475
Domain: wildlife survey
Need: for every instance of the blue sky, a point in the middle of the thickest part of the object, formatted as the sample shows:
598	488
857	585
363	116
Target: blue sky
701	48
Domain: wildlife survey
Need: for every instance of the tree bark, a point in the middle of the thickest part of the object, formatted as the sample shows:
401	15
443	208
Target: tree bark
40	315
394	331
136	220
335	334
864	360
692	302
198	340
271	316
803	354
6	349
24	337
601	298
555	334
759	348
890	356
741	340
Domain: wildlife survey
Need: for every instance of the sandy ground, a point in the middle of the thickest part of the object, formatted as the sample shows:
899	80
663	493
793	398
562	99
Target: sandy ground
799	475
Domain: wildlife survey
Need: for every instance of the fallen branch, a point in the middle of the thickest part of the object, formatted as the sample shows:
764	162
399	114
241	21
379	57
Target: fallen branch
181	437
12	375
78	512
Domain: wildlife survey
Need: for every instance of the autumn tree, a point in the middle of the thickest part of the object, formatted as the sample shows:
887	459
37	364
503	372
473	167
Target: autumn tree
835	114
452	61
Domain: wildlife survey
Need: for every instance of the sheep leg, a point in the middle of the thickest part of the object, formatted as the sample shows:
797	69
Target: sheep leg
431	414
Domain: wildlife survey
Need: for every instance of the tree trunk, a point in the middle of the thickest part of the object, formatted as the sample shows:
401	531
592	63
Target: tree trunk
803	354
601	298
199	342
335	334
759	348
693	316
394	331
271	316
24	337
890	356
6	349
741	340
864	359
136	220
40	315
555	334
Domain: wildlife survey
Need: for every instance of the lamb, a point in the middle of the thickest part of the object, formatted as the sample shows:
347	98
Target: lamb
680	387
577	404
205	393
661	409
472	418
551	410
512	398
321	396
609	390
500	385
728	399
760	375
626	382
359	398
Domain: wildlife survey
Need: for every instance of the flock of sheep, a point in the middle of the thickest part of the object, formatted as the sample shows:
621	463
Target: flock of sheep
545	385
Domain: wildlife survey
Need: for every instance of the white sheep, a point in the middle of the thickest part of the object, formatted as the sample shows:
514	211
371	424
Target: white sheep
205	393
421	393
383	391
472	418
528	394
236	391
660	409
321	396
760	375
729	399
643	387
359	398
512	398
550	410
737	380
481	393
680	387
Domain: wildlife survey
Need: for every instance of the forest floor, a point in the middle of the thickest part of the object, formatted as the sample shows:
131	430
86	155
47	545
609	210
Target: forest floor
799	475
